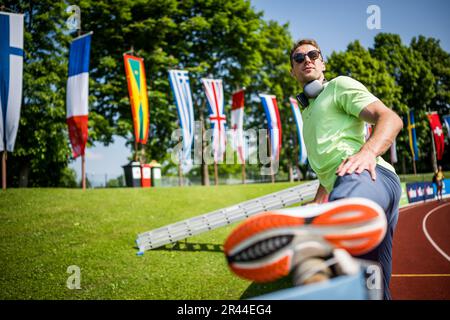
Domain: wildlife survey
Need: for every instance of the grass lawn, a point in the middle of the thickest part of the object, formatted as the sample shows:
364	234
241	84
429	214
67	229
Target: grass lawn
421	177
44	231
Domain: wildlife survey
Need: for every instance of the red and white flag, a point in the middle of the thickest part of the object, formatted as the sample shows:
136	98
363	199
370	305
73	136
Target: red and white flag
214	94
438	134
78	93
237	121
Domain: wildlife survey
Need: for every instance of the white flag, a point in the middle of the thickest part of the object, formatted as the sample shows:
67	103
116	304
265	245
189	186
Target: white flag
11	70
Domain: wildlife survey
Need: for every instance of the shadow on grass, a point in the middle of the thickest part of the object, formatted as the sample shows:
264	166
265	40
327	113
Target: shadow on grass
257	289
191	246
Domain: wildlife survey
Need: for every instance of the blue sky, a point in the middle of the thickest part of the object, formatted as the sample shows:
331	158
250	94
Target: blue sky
334	24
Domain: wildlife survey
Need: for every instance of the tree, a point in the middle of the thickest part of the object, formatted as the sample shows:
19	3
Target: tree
223	39
416	80
438	62
68	178
116	182
357	62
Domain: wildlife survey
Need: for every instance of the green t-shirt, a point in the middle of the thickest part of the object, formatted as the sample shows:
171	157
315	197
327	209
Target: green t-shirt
332	130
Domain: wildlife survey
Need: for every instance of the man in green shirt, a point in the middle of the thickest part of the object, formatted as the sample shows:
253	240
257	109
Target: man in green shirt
362	190
333	130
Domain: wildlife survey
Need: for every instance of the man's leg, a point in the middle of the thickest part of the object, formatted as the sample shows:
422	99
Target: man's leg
385	191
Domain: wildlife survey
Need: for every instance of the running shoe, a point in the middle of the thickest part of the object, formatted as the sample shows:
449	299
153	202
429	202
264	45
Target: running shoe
267	246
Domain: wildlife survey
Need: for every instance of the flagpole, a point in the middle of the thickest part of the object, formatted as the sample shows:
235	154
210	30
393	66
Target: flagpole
204	166
83	172
243	172
142	154
296	156
270	157
131	51
434	152
4	169
135	150
180	173
216	174
180	177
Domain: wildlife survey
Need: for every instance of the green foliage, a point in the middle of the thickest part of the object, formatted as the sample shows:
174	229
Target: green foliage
68	178
116	183
221	39
415	76
358	63
404	78
438	62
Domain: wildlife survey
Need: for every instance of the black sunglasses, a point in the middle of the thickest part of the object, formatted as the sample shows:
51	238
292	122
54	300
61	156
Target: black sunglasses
300	57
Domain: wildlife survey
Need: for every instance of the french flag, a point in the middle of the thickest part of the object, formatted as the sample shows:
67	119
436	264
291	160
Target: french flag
78	93
11	71
270	105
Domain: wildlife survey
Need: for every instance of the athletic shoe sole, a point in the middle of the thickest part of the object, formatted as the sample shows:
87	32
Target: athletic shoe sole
266	247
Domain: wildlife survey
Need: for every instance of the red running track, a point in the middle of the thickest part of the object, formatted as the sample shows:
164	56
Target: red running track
421	252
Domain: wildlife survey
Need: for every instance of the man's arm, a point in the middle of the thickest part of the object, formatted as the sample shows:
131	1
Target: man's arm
387	125
321	195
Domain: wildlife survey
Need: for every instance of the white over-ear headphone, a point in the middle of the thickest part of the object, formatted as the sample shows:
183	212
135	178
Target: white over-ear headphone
311	90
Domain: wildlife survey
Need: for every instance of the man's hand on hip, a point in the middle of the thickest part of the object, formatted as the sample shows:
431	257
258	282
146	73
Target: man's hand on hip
363	160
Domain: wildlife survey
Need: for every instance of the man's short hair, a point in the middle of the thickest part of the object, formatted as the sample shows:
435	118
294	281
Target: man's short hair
302	42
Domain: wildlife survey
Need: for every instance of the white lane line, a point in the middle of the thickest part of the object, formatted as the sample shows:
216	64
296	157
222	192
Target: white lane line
424	227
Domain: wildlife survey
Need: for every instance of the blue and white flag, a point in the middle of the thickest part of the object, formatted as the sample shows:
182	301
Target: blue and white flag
179	82
299	121
78	93
11	70
447	123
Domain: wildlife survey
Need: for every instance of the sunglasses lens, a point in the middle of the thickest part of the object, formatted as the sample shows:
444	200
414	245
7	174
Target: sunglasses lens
299	57
313	55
